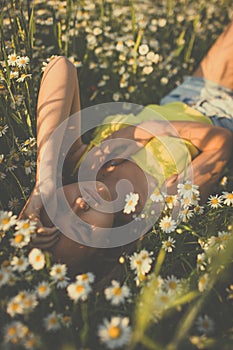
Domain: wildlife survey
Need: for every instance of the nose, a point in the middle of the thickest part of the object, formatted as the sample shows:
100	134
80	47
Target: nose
80	205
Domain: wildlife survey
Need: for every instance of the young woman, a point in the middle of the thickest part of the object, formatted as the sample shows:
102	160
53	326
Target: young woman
191	133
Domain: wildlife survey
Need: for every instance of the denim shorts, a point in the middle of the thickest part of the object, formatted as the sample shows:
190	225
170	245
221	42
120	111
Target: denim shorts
209	98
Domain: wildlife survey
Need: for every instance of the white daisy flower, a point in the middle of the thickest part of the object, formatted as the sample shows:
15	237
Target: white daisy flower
167	224
22	61
163	300
186	214
88	277
172	284
7	220
169	244
220	241
14	203
116	293
157	196
141	262
43	289
198	209
171	201
78	291
187	190
37	259
14	307
143	49
28	299
114	333
147	70
58	271
14	74
201	261
26	226
14	331
23	77
215	201
203	282
228	198
52	321
19	264
20	239
28	167
205	325
131	202
3	129
12	60
30	341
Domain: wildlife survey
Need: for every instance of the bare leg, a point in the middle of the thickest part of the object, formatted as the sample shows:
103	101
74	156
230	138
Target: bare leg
217	65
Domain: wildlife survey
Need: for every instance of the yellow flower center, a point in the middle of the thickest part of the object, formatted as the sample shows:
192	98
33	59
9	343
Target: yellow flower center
130	202
5	221
12	331
15	306
167	224
187	187
52	321
26	225
138	262
84	277
79	289
164	298
114	332
172	285
18	238
27	163
42	289
117	291
230	196
38	258
214	201
205	324
168	244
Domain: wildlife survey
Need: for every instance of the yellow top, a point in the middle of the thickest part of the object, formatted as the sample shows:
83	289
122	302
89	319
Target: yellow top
161	157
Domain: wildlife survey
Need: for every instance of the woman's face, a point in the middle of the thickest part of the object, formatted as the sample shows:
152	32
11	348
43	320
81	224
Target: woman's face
91	202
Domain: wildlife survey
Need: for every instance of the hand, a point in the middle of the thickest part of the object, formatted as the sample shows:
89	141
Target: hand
45	236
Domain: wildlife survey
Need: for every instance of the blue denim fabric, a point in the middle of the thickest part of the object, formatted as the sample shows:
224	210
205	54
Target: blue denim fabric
209	98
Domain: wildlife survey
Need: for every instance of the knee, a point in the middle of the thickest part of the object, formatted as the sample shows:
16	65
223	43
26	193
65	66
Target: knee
61	63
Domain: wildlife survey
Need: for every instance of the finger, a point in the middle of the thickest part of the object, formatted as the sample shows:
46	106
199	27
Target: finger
48	231
44	245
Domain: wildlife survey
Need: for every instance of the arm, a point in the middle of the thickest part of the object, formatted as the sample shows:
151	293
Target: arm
58	99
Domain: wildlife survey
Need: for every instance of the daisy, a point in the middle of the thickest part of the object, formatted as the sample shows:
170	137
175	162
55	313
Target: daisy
12	60
88	277
187	190
19	264
172	284
58	271
26	226
114	333
170	201
163	300
141	262
30	341
23	77
169	244
203	282
52	321
205	324
156	196
28	167
167	224
201	261
143	49
116	293
220	241
198	209
78	290
14	331
43	289
20	239
131	202
22	61
3	129
186	214
13	203
228	198
7	220
37	259
215	201
14	307
14	74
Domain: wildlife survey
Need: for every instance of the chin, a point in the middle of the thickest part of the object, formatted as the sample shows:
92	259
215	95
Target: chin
77	257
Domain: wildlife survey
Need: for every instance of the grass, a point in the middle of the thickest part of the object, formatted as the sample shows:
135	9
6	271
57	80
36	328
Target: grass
104	40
